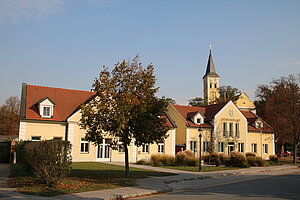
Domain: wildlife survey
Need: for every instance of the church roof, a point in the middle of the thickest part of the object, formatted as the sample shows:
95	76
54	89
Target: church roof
210	69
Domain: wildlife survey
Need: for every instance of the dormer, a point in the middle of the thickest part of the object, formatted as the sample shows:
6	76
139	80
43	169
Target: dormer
45	107
259	123
196	117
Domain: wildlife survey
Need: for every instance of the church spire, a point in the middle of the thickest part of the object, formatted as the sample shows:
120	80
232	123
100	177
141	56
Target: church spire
210	69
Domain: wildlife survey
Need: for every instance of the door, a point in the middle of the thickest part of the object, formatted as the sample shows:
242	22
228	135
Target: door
104	150
230	147
4	152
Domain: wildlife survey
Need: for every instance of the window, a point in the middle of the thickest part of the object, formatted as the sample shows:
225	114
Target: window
230	129
265	148
35	138
46	111
210	85
198	121
221	147
145	148
193	146
237	130
241	147
84	146
205	146
121	148
161	148
225	129
254	148
215	85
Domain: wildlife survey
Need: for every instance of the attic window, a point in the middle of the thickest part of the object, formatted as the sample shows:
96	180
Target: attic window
198	121
46	111
259	124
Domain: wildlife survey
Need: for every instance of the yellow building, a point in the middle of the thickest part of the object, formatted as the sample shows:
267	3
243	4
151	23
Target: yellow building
225	127
53	113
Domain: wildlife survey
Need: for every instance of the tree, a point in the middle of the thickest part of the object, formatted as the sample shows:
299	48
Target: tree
279	104
125	107
170	101
227	93
196	102
9	116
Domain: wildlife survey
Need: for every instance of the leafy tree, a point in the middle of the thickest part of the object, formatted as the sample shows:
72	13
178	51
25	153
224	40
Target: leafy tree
227	93
9	116
196	102
279	104
170	100
125	107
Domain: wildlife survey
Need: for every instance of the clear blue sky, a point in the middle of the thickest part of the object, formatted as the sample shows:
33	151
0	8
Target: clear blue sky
65	43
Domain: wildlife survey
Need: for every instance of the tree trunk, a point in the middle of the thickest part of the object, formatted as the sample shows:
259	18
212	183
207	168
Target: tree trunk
295	152
126	161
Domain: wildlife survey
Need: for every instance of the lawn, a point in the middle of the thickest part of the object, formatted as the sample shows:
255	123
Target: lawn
87	176
288	160
204	168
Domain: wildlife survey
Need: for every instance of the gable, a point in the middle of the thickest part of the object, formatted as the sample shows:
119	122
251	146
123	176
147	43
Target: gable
244	102
230	112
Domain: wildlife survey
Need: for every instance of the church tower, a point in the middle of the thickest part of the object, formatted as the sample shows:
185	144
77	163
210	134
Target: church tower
210	82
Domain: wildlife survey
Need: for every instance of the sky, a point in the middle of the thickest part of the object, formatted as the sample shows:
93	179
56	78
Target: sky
65	43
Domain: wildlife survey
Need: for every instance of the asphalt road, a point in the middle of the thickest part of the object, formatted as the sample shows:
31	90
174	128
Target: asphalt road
268	185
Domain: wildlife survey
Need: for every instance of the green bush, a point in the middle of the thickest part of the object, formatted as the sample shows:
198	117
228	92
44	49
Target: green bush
185	158
250	154
237	159
142	162
162	160
251	160
274	159
49	160
260	162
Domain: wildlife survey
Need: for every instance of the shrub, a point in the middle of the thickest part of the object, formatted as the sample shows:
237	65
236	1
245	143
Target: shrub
260	162
250	154
251	160
185	158
162	160
237	159
142	162
274	159
50	160
215	159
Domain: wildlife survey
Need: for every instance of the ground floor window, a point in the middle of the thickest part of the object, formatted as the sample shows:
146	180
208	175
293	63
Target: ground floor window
145	148
193	146
161	148
265	148
221	147
121	148
35	138
241	147
84	146
254	147
205	146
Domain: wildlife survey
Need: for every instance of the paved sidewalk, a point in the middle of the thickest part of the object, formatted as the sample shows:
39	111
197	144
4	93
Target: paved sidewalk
145	186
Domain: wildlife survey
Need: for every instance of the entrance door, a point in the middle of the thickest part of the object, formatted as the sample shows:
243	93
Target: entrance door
230	147
4	152
103	150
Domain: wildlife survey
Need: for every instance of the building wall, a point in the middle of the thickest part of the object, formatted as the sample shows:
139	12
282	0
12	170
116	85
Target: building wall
181	129
244	102
193	135
260	139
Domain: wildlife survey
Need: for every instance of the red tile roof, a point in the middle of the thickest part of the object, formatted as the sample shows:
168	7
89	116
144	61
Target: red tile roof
251	118
66	101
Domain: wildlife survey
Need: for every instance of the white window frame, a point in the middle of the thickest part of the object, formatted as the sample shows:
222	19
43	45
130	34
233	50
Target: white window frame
86	146
254	147
221	147
265	148
237	130
121	148
225	129
44	114
35	139
241	147
161	148
230	129
145	148
206	146
193	146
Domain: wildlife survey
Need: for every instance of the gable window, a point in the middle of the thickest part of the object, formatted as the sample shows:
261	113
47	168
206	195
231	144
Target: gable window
84	146
230	129
193	146
46	111
254	147
221	147
161	148
35	138
225	129
265	148
241	147
145	148
205	146
237	130
198	121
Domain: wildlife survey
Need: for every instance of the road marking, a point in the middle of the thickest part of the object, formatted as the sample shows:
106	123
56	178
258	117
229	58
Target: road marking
232	182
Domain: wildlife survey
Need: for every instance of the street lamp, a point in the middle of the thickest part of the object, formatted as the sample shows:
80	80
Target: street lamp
200	156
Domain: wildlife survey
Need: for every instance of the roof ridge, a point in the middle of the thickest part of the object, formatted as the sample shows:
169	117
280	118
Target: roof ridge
189	106
61	88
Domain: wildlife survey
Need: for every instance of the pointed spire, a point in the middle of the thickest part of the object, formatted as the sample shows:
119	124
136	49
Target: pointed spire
210	69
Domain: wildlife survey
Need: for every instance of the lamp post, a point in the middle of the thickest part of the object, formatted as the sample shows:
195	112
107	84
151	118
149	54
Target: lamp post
200	155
